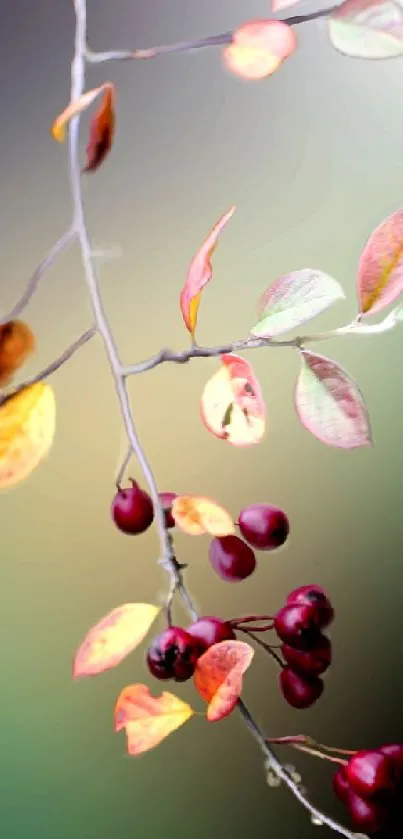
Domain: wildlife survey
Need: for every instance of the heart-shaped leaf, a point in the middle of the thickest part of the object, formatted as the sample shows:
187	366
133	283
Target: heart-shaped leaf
196	515
232	405
380	269
199	274
367	28
27	429
113	638
148	719
259	47
294	299
218	676
329	404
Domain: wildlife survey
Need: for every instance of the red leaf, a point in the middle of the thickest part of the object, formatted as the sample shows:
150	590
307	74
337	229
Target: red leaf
218	676
113	638
102	130
329	404
259	47
199	274
380	270
232	405
148	719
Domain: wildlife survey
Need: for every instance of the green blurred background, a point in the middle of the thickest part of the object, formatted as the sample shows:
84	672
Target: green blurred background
313	160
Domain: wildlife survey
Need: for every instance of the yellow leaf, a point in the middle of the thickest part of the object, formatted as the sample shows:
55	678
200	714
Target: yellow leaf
27	427
196	515
148	719
113	638
58	129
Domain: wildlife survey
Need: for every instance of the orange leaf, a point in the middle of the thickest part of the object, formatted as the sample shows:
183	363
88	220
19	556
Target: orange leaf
17	342
113	638
199	274
218	676
195	515
74	109
102	131
259	47
148	719
232	405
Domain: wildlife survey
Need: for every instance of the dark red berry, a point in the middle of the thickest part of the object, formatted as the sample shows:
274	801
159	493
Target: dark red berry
173	655
366	815
316	595
231	558
209	631
372	772
314	661
132	509
394	751
341	785
263	526
300	691
166	499
296	625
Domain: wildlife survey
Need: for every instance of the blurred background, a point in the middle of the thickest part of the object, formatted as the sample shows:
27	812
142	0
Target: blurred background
312	157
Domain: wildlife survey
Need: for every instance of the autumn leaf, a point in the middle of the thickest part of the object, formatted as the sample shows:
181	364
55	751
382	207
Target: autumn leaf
294	299
113	638
27	427
329	403
199	274
102	129
367	28
380	269
259	47
280	5
196	515
148	719
218	676
17	343
232	407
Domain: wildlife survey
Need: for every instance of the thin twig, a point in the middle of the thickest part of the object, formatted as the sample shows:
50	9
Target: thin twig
39	272
55	365
188	46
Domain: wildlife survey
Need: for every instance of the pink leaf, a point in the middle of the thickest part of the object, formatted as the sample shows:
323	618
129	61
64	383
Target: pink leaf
280	5
232	405
330	405
148	719
259	47
218	676
294	299
199	274
371	29
380	270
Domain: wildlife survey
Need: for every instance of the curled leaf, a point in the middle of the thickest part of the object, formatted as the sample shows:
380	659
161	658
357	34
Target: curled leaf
17	342
218	676
113	638
27	427
199	274
259	47
232	405
294	299
330	405
380	269
196	515
74	109
148	719
367	28
102	129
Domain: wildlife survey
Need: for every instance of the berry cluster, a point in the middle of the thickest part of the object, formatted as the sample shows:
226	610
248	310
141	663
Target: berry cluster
174	653
371	786
263	527
306	651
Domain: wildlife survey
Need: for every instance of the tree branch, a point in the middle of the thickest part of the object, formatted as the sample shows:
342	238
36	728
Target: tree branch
39	272
187	46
